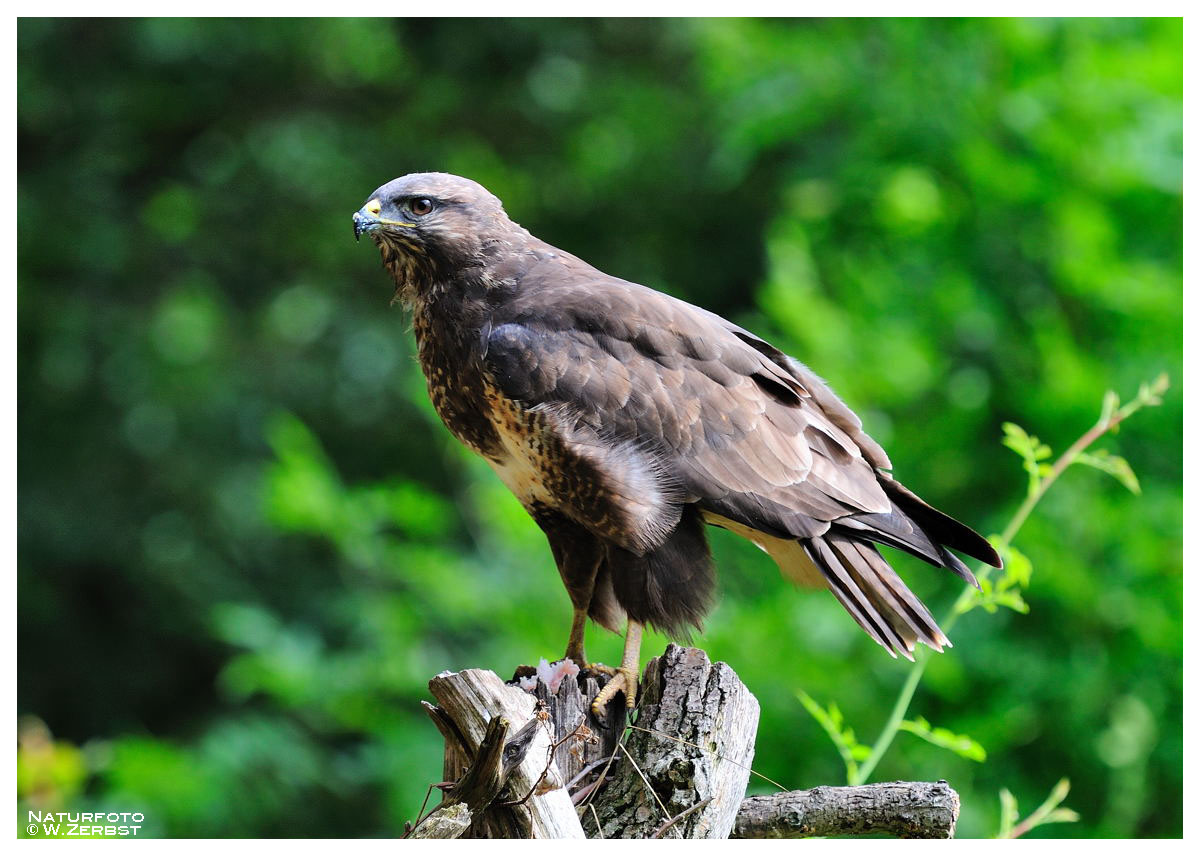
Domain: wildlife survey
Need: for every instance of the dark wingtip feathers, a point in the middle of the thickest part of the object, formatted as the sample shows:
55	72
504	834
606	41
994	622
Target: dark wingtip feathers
942	528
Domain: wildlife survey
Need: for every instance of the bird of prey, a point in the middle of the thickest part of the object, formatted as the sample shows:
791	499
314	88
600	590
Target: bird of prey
624	420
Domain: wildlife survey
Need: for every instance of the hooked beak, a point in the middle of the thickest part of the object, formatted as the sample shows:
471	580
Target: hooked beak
363	223
367	219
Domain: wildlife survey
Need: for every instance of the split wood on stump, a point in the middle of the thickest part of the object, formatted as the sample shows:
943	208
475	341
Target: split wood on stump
535	764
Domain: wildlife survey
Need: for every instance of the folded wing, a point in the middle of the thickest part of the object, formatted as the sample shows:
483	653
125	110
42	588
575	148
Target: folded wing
726	421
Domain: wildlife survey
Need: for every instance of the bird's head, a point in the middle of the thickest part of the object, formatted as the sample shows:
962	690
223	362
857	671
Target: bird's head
432	227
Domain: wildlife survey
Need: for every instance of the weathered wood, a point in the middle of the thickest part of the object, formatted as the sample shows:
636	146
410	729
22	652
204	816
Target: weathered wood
467	702
582	739
448	821
472	795
693	741
482	781
904	809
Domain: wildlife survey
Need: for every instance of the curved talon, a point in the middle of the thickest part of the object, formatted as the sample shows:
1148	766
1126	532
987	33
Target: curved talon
623	681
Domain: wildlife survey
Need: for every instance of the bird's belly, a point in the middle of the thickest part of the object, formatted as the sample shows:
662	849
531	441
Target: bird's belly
520	457
523	477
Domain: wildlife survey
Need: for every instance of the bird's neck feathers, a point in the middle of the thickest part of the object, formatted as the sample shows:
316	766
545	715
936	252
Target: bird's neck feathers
410	267
423	277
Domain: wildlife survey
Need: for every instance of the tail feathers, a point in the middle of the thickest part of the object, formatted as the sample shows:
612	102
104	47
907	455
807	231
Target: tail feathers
904	529
874	595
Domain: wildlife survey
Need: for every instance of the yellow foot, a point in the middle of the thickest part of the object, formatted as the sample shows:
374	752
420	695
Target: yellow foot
623	681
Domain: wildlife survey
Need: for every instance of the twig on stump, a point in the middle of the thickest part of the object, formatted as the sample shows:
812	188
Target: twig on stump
490	770
904	809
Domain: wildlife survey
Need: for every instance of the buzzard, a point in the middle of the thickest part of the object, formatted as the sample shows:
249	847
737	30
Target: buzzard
625	420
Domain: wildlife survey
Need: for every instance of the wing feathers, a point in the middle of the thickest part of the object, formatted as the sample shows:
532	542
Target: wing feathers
903	605
942	527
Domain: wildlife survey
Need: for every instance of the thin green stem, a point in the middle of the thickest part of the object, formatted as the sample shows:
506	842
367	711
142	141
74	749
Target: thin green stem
1107	422
893	723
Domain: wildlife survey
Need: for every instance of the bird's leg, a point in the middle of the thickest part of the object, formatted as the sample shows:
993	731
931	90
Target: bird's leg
575	652
578	568
626	679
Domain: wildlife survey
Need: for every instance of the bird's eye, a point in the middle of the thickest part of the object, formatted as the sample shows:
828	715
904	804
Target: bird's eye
421	207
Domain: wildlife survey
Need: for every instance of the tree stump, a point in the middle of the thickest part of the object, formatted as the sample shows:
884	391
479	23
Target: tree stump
534	764
584	743
688	756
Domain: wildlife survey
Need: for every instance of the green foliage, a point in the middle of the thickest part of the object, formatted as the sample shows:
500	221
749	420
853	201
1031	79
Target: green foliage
246	543
1005	591
959	744
1033	452
51	771
1114	465
1048	812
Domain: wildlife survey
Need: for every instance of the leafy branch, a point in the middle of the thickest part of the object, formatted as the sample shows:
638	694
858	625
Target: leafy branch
1111	417
1005	591
959	744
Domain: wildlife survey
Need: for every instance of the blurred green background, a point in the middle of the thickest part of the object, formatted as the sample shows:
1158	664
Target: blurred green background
246	542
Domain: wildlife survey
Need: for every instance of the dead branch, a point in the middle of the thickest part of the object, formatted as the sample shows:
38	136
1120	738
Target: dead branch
903	809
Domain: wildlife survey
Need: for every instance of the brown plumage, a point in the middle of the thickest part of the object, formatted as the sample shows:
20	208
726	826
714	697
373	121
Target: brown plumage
624	419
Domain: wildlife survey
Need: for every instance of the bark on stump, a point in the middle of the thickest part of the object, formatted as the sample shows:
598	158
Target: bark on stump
693	743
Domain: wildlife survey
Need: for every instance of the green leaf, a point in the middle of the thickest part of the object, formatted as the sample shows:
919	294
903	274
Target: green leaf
1032	451
1114	465
1017	567
1012	600
1024	444
1004	591
1009	814
959	744
1109	406
1151	394
1050	811
1061	815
